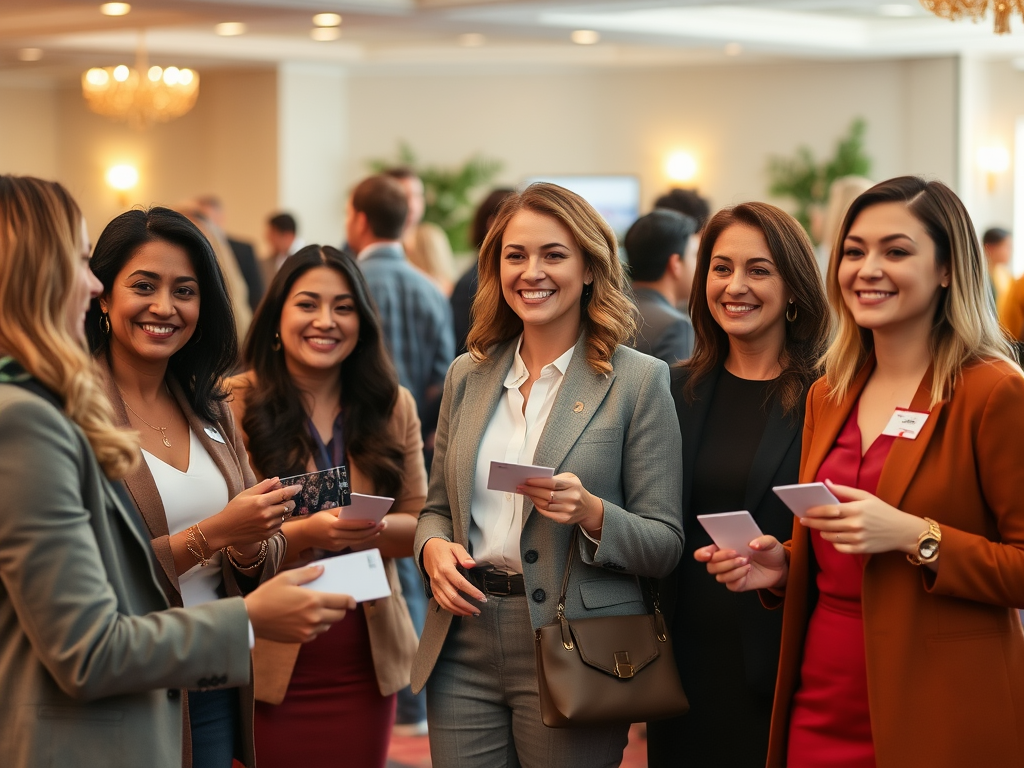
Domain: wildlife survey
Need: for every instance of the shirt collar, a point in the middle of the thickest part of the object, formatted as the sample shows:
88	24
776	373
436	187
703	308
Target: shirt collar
518	372
372	248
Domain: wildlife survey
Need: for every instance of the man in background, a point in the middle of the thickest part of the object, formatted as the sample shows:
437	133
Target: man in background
282	235
662	274
212	208
417	326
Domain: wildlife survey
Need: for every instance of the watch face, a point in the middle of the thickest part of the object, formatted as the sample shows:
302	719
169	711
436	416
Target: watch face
927	548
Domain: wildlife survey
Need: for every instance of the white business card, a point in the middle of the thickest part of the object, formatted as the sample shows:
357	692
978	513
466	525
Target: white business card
505	476
359	574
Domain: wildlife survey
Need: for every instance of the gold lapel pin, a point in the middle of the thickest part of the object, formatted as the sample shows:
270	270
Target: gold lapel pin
578	408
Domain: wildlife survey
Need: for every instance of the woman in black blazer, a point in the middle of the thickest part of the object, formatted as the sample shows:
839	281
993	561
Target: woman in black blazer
761	321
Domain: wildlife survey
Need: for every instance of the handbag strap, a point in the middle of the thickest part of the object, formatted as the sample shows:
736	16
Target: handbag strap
652	584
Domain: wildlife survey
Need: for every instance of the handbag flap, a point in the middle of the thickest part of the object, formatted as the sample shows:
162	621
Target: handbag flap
617	645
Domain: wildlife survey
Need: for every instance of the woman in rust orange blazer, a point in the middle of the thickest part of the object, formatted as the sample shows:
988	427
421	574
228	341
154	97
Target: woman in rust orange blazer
900	644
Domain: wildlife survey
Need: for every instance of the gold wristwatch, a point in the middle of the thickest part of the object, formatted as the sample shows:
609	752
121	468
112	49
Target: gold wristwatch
927	544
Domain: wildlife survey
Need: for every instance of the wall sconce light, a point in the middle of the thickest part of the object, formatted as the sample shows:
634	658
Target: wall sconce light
122	178
681	166
993	160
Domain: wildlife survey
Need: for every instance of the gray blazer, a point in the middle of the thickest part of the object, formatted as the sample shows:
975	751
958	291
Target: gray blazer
91	659
618	433
665	332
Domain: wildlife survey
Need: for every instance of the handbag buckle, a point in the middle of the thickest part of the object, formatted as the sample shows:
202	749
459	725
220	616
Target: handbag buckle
623	668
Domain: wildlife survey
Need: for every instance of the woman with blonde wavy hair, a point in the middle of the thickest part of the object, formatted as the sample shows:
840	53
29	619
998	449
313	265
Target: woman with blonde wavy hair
91	659
899	634
547	383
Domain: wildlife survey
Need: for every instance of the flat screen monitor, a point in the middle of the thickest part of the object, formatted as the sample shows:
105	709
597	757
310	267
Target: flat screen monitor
616	198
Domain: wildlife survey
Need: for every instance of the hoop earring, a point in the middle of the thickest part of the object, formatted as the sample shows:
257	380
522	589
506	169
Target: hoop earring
105	324
276	343
793	307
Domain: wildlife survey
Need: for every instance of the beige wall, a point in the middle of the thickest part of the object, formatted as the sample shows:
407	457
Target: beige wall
28	130
628	121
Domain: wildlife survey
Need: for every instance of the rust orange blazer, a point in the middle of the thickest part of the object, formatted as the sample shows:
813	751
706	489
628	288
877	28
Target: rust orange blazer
945	650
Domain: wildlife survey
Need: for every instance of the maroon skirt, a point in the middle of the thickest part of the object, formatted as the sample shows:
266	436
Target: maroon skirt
333	713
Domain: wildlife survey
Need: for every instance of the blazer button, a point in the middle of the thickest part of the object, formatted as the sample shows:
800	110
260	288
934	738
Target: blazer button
539	596
530	556
173	693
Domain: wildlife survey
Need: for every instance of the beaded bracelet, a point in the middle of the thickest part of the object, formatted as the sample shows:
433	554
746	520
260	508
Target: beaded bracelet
251	566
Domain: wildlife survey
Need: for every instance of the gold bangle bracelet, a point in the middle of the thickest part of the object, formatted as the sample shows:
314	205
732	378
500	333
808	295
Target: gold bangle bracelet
254	564
193	547
206	545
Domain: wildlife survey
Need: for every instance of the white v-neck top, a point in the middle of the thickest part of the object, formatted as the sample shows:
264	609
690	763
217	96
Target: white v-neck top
189	497
496	517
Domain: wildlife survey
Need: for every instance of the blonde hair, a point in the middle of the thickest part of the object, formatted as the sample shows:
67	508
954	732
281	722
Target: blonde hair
428	249
40	247
965	327
841	193
607	314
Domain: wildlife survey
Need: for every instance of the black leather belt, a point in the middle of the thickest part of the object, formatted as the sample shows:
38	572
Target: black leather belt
496	583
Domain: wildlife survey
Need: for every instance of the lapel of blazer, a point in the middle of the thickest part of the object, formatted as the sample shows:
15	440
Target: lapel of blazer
905	455
484	388
779	433
581	386
691	423
829	422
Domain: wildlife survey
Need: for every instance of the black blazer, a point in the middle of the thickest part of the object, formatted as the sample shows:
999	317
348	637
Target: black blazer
776	462
249	266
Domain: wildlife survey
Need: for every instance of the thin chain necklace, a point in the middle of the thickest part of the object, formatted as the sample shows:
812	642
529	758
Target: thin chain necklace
161	430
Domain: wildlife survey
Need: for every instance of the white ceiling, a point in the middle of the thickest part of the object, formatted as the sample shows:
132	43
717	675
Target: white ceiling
417	34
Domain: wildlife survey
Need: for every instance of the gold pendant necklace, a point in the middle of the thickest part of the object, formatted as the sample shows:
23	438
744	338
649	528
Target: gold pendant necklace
161	430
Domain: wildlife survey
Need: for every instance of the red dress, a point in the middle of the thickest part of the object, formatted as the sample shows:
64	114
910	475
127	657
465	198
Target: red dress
830	724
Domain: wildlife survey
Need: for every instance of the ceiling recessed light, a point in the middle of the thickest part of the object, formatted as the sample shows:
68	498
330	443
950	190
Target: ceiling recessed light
30	54
230	28
325	34
327	19
896	10
472	40
586	36
115	9
733	49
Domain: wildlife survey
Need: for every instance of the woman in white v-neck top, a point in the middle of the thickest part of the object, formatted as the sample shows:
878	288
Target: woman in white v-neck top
547	383
215	531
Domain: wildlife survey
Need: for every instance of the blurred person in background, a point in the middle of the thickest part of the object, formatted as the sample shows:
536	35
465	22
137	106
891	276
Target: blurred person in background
656	246
92	659
465	289
825	222
213	208
282	236
426	244
997	243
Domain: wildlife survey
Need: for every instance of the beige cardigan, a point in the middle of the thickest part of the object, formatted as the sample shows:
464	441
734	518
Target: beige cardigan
392	636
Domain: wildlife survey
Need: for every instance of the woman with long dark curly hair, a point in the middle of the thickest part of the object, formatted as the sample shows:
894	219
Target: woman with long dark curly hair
320	391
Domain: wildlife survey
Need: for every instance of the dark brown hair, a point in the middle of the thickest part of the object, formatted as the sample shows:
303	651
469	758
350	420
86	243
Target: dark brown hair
806	336
382	199
607	314
275	418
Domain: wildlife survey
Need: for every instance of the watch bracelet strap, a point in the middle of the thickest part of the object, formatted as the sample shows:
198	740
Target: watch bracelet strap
935	532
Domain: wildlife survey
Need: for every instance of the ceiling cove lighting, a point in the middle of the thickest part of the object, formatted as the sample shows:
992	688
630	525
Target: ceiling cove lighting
230	28
327	20
977	9
142	95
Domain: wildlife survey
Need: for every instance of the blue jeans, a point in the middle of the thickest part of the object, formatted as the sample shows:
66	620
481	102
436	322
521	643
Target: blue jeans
412	708
213	717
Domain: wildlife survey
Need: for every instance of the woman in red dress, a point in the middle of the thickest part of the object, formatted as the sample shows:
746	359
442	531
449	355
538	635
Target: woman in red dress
321	391
900	646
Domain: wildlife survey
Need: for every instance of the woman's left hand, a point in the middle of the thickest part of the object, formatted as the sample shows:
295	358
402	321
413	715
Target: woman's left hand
864	524
563	498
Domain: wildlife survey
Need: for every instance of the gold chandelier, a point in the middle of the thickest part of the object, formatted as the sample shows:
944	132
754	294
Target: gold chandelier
140	95
976	9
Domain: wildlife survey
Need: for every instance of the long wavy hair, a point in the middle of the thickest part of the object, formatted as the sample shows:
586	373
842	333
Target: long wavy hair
806	336
275	416
965	328
212	352
40	248
607	314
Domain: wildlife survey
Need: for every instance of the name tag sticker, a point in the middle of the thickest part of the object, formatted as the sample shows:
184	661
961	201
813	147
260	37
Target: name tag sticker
906	424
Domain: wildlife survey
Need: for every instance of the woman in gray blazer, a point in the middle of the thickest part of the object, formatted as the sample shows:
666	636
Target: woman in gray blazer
546	383
91	659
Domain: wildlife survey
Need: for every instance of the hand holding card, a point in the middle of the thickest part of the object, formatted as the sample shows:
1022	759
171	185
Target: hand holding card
731	530
802	496
507	477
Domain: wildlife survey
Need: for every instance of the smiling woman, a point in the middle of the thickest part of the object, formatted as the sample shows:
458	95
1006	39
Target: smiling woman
163	334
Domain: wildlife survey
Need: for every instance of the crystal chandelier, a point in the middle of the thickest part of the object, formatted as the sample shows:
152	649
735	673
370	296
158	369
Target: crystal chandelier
142	95
976	9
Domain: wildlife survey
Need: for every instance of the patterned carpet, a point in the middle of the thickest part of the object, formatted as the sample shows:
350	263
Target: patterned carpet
414	751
